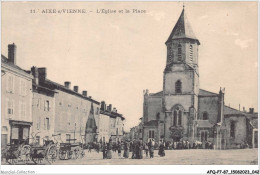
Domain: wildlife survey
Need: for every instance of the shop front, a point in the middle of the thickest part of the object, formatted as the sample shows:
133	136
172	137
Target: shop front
20	132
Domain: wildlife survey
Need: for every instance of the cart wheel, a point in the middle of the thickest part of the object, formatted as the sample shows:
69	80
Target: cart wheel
77	152
51	154
25	153
62	154
82	153
69	154
37	160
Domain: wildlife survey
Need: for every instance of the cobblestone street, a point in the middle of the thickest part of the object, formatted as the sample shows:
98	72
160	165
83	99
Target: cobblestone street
174	157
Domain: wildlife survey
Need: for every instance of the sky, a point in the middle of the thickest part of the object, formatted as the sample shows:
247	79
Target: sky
116	56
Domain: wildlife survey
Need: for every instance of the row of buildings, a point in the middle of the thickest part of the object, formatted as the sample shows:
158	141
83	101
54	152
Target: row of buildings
34	107
183	111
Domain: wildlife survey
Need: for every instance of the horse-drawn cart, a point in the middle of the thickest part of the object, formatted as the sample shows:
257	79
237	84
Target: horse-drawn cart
71	150
24	153
48	151
14	154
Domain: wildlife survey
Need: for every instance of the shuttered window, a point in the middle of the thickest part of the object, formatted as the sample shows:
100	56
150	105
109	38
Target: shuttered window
191	53
179	52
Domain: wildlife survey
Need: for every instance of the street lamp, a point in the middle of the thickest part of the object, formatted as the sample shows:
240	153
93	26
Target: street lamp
75	132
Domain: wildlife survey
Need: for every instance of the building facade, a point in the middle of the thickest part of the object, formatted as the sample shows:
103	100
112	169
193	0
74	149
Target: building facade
183	111
43	110
71	109
16	104
111	124
104	127
35	109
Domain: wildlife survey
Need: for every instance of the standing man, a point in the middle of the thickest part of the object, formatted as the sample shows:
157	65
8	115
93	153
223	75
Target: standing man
104	151
151	148
146	149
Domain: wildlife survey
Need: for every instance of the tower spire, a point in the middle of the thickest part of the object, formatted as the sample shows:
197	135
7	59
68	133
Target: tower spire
182	29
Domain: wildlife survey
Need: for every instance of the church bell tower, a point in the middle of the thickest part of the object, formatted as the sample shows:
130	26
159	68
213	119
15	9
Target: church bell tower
181	79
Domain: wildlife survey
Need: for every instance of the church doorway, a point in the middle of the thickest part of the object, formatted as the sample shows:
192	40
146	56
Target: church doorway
176	139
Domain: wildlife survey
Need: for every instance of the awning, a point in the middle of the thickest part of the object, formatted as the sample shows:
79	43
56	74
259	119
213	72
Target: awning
16	122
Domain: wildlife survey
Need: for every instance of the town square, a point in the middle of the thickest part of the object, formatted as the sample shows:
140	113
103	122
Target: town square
87	85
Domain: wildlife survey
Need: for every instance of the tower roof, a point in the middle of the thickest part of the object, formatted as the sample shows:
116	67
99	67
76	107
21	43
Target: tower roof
182	29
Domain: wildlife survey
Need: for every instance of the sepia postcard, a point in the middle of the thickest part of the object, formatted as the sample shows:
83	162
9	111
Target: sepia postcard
129	83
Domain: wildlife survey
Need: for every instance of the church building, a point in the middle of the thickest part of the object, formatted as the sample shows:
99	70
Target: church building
183	111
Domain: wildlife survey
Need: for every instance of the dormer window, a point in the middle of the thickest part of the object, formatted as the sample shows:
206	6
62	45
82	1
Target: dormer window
191	53
179	52
178	87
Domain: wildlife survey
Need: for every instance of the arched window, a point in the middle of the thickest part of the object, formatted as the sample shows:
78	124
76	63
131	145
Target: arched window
174	118
232	129
178	86
205	116
179	117
191	53
179	52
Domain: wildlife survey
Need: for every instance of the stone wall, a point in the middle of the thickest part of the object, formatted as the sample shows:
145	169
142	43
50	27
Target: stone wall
210	106
154	106
71	114
240	131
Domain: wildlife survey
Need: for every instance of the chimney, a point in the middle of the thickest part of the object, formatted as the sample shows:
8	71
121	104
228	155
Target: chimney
12	53
90	97
67	84
103	105
35	74
84	93
109	108
114	110
42	74
244	109
76	88
251	110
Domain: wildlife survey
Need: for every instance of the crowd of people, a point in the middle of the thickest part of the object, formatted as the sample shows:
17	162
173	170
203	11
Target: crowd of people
138	149
187	145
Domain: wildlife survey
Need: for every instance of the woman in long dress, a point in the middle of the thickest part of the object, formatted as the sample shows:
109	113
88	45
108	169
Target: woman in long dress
141	151
126	150
104	151
161	150
109	152
119	149
137	150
